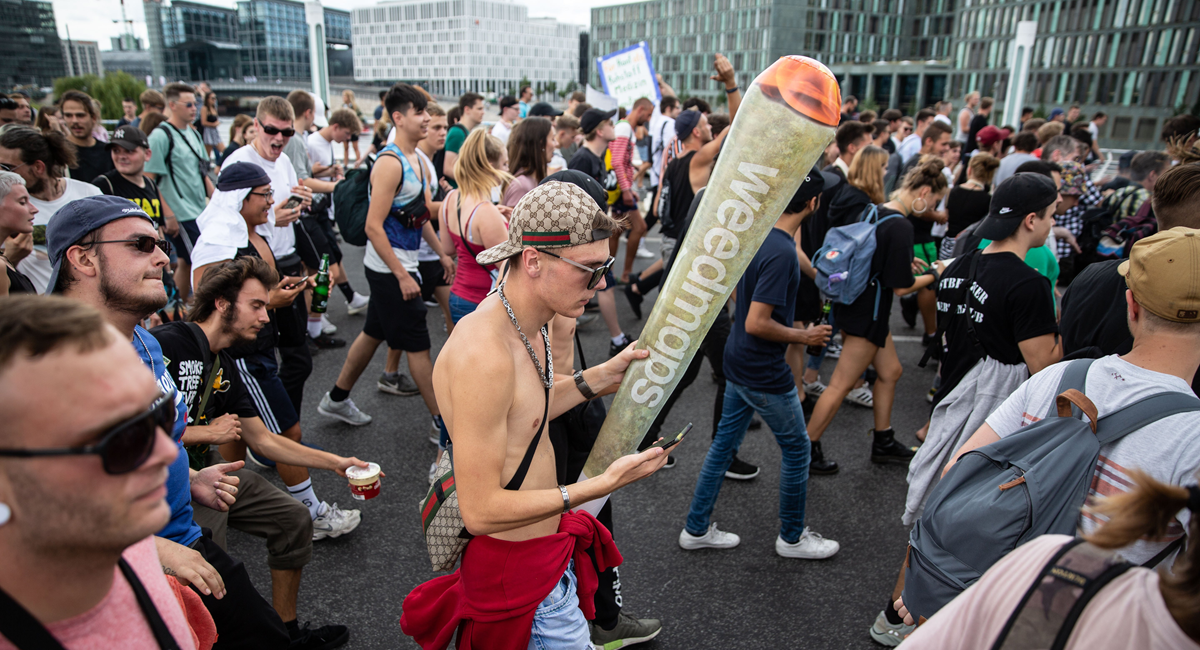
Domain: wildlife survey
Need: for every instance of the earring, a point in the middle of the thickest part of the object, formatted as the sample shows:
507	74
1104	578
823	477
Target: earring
924	205
5	513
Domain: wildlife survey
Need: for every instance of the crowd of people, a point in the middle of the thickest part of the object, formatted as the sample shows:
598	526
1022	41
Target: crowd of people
1002	243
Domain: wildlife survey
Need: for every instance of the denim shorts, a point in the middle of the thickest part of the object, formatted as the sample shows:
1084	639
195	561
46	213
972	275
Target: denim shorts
460	307
558	623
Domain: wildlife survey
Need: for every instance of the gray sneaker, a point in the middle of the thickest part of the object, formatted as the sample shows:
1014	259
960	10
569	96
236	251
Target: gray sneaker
629	631
884	633
402	385
345	411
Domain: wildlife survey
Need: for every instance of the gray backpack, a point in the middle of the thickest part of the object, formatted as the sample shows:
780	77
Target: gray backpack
1031	483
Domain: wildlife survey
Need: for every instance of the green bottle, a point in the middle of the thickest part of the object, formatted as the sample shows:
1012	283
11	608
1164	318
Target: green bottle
813	350
320	298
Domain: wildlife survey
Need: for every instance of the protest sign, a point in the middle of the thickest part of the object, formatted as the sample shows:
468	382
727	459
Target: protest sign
629	74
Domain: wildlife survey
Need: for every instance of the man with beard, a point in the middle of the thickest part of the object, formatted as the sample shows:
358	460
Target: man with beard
231	307
91	156
106	253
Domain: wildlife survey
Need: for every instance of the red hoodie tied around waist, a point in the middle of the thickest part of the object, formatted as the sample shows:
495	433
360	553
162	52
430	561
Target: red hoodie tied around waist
492	597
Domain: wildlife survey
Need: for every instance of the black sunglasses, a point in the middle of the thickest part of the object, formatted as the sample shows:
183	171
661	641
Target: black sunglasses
270	130
143	243
124	447
597	273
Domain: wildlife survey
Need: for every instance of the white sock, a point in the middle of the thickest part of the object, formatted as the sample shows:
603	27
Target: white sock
303	492
619	339
314	327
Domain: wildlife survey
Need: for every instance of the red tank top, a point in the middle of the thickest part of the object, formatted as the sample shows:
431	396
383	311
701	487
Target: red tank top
472	281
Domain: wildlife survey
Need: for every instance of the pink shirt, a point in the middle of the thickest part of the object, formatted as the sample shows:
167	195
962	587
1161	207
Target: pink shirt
117	621
517	189
1128	613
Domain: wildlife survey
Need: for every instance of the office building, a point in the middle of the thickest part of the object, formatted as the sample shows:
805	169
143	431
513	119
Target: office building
259	41
128	55
82	57
456	46
29	44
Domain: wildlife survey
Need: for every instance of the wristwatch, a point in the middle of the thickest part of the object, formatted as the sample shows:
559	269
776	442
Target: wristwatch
587	391
566	499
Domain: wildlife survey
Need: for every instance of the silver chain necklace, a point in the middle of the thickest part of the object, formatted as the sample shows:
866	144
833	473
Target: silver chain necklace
547	377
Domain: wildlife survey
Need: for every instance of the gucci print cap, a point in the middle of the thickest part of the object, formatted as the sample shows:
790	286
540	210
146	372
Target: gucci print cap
552	215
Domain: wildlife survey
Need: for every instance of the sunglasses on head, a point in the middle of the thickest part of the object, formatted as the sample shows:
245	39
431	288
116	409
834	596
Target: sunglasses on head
270	130
123	447
143	243
597	273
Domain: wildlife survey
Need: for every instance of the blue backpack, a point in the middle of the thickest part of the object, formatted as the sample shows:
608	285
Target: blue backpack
843	263
1031	483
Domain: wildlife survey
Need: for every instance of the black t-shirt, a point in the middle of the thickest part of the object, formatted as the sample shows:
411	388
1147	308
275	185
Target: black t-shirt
891	266
977	123
889	146
146	198
185	361
1094	315
1012	303
965	207
91	162
585	161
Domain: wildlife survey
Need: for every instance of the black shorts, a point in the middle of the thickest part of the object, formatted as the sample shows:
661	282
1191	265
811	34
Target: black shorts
393	319
620	208
324	240
183	247
432	277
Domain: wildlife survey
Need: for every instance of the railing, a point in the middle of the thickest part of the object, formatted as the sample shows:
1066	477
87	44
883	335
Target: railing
1110	158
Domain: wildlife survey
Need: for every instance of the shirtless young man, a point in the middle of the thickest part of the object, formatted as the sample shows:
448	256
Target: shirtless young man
488	387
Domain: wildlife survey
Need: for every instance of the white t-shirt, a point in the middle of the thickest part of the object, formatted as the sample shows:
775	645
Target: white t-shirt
1094	130
943	119
1168	450
283	178
662	129
320	151
408	191
502	130
910	147
36	266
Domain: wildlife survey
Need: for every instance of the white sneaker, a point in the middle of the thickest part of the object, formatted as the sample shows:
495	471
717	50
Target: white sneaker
815	388
345	411
811	546
332	521
713	538
326	326
884	633
432	473
644	252
435	432
833	350
359	304
861	396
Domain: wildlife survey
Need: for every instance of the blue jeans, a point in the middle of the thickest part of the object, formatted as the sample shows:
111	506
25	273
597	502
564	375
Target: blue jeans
782	413
558	623
460	307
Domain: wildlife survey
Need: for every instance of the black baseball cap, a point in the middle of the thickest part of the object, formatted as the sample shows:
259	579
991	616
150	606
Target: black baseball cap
1012	200
543	109
685	122
506	101
814	184
592	119
128	137
586	182
80	217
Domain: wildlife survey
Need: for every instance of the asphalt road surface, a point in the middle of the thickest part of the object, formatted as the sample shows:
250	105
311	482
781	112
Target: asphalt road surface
746	597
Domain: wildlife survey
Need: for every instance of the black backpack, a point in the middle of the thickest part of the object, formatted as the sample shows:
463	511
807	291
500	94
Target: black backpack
351	199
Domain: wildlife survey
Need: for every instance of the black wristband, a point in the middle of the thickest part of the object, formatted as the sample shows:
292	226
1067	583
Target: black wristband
730	91
583	387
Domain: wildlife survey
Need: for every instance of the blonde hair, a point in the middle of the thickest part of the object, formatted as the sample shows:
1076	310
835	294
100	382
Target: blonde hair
866	172
983	167
1049	130
276	107
475	168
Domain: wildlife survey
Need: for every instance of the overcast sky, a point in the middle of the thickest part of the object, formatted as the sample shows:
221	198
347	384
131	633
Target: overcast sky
99	20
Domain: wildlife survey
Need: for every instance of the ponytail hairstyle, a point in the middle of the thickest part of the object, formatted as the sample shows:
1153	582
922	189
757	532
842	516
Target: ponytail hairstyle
927	173
866	172
475	170
1147	511
983	167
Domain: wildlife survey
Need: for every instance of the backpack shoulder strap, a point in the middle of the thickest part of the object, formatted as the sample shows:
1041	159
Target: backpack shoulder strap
519	476
1074	376
1145	411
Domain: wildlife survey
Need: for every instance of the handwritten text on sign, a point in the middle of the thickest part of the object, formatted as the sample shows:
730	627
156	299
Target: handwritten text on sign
629	74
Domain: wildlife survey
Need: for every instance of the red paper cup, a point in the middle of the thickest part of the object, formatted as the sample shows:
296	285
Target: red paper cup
364	481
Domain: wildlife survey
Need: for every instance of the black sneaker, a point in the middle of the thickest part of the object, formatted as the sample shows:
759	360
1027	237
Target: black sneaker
740	470
614	348
321	638
818	463
885	450
325	341
635	301
909	310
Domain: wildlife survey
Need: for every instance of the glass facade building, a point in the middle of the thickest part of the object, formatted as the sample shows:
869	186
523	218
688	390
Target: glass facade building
29	45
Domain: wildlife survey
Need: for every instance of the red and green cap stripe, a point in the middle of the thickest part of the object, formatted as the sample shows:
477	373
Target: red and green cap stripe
552	238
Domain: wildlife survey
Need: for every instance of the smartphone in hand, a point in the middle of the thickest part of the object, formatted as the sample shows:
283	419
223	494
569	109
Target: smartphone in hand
292	202
297	283
667	443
